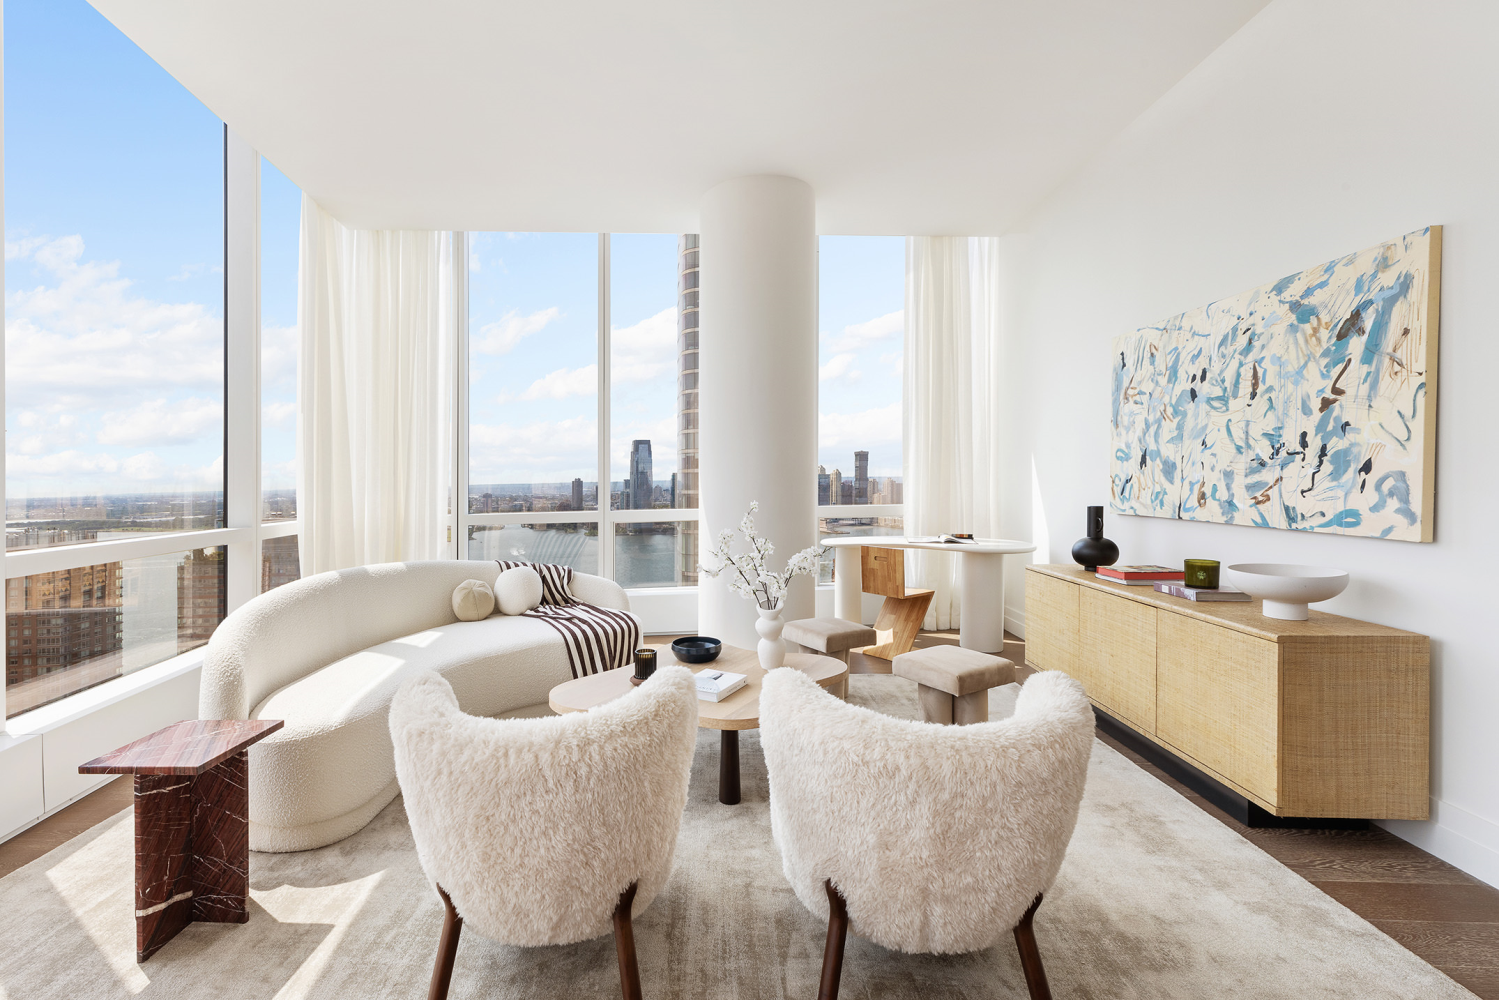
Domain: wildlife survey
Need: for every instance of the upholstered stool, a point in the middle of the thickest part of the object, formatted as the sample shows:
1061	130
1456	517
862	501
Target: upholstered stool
954	682
829	636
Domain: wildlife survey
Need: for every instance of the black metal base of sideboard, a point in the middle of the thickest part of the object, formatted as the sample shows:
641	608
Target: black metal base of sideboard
1219	794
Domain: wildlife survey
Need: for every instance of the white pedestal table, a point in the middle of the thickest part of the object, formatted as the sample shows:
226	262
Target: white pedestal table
981	567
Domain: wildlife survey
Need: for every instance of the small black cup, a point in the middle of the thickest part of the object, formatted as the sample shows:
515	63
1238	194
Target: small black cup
645	665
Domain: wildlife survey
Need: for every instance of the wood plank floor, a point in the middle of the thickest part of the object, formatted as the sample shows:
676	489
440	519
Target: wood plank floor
1445	916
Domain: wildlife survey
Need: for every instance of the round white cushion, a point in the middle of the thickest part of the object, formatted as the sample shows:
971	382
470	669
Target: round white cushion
517	590
473	600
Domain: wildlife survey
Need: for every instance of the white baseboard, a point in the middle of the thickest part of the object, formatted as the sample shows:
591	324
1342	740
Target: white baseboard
1015	621
1460	838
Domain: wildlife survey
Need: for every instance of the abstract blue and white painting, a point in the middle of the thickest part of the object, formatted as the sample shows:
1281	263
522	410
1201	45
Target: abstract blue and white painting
1308	403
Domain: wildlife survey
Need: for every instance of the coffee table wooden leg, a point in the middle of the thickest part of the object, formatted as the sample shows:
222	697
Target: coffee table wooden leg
221	842
163	859
728	768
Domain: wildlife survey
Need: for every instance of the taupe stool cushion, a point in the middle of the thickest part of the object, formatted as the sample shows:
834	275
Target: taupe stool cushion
954	682
829	635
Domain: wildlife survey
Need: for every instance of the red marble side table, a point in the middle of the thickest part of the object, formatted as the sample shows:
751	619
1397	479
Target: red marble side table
192	824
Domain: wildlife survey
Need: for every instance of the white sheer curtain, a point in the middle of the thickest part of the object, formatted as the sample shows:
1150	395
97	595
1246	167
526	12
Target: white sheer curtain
952	443
378	318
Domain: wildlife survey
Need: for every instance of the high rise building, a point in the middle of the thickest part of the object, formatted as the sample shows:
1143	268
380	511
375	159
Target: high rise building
202	598
835	487
640	484
577	494
893	491
823	488
64	633
846	492
687	332
672	499
861	477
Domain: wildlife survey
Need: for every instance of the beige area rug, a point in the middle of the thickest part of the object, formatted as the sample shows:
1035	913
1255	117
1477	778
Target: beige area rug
1156	900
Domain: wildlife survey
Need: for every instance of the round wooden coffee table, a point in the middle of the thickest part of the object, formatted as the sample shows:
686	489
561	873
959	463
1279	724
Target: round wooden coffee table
740	710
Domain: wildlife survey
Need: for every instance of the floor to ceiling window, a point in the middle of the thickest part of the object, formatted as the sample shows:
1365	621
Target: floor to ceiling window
533	398
555	319
651	371
114	212
861	300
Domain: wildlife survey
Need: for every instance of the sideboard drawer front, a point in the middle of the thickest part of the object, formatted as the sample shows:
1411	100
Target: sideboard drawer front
1117	653
1217	700
1051	624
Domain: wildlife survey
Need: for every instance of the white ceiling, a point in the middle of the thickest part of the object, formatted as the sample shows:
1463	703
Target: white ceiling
906	118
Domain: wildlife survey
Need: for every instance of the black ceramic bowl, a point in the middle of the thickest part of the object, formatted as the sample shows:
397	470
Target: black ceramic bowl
696	649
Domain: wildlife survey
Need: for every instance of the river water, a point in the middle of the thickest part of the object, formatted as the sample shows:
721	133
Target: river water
640	560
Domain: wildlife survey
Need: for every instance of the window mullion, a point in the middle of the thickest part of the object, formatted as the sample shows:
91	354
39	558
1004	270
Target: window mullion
606	523
459	520
242	458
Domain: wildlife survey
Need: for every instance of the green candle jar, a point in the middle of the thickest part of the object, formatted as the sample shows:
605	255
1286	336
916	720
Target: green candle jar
1200	573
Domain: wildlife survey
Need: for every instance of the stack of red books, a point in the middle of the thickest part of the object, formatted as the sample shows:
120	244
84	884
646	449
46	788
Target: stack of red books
1140	576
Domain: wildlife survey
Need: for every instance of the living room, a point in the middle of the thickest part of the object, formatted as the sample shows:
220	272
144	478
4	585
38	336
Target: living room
285	281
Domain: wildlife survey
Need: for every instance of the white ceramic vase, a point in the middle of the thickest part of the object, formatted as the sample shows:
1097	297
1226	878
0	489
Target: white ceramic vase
772	648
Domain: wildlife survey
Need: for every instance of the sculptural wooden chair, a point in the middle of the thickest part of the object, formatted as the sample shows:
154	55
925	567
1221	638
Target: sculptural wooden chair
900	617
945	846
546	831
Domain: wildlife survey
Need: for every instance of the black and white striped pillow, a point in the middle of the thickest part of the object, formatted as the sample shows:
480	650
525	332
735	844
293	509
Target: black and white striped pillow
556	581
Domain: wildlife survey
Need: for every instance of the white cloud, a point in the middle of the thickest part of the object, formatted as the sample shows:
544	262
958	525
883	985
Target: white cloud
83	340
645	350
91	363
541	451
279	349
283	414
23	247
501	336
195	271
860	430
564	383
838	366
157	422
860	335
896	361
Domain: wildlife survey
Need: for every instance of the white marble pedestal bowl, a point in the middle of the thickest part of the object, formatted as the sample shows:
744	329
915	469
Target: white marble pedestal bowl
1286	588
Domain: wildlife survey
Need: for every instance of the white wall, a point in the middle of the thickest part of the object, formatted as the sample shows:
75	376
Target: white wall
1321	128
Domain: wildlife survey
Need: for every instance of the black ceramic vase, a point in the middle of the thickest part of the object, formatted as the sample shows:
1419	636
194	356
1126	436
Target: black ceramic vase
1095	550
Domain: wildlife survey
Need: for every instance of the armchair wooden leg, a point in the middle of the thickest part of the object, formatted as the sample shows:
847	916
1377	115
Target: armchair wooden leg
624	945
1030	955
832	953
447	949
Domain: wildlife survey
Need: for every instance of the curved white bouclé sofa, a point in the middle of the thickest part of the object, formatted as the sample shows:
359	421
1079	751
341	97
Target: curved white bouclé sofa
327	654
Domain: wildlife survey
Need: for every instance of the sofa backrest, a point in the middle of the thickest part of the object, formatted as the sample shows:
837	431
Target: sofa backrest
289	632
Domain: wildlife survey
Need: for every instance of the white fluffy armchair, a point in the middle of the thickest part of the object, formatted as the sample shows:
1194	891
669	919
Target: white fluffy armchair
546	831
922	837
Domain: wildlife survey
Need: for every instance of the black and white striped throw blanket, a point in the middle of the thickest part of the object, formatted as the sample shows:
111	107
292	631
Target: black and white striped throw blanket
596	639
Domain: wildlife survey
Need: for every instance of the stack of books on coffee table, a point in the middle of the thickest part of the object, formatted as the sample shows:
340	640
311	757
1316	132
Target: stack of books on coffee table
716	685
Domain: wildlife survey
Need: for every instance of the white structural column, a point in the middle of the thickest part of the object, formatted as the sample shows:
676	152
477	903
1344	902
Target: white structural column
758	383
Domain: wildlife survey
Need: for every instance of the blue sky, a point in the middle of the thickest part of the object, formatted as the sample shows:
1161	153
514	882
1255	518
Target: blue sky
533	331
114	298
861	298
113	263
